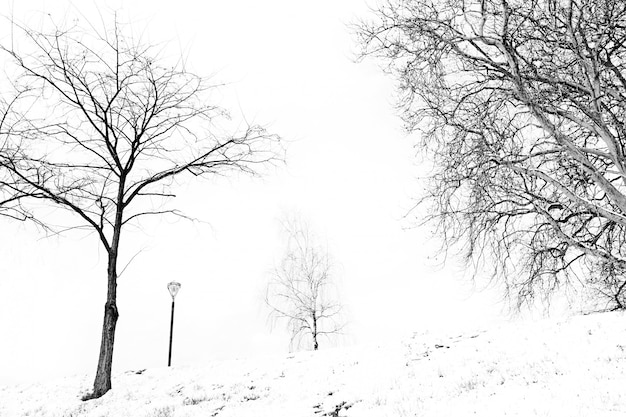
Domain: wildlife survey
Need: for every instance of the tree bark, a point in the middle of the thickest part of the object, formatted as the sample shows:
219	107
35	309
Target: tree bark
102	383
315	345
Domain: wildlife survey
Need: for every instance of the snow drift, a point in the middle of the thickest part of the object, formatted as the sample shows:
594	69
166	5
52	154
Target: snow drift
572	367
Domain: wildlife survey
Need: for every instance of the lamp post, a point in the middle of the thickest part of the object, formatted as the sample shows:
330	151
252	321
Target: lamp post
173	288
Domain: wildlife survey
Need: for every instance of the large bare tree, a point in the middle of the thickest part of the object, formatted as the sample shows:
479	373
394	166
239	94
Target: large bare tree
99	126
301	291
521	107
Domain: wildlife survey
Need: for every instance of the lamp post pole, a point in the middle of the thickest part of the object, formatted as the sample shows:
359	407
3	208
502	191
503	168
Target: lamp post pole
173	288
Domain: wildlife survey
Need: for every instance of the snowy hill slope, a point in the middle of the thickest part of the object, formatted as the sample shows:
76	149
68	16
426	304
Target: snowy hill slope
575	367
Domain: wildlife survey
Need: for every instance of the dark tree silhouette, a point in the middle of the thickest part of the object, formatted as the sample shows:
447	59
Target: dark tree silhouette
520	105
301	290
100	127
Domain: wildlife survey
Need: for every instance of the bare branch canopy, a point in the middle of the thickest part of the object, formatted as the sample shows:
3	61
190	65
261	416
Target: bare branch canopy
520	105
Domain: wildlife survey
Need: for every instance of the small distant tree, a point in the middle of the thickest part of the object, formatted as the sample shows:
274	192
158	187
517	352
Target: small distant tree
98	126
301	291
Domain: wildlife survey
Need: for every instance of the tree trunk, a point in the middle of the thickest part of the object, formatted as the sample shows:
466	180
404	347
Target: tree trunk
102	383
315	345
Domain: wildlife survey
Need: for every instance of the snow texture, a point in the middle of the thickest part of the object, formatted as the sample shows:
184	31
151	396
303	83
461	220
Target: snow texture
547	368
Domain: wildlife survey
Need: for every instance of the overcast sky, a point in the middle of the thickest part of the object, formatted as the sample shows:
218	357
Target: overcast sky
350	172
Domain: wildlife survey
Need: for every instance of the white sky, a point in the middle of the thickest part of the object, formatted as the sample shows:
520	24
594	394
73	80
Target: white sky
350	172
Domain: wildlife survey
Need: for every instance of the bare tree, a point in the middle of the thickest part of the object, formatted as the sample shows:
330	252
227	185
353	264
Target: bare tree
100	128
520	104
301	291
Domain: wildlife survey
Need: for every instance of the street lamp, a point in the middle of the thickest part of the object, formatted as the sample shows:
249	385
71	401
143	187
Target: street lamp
173	288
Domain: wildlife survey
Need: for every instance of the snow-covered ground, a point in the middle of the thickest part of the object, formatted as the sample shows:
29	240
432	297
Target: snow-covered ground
574	367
